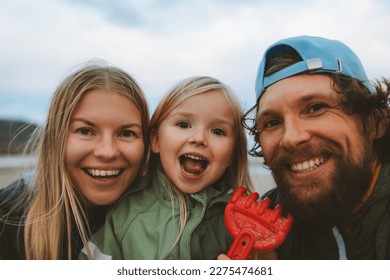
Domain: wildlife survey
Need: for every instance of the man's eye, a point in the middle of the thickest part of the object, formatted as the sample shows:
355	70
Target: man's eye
271	123
316	107
84	131
183	124
218	131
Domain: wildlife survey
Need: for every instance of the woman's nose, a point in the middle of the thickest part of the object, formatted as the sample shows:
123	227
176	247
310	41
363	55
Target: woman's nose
106	148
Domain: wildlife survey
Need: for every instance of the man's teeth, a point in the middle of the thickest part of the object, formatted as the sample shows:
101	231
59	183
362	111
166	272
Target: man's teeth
307	165
103	173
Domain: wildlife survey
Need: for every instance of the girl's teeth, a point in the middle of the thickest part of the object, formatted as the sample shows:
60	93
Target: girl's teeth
194	157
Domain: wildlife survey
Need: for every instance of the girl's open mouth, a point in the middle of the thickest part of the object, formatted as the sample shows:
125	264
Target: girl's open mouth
192	164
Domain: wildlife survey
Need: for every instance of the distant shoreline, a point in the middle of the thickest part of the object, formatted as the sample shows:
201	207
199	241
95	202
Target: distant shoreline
13	167
17	160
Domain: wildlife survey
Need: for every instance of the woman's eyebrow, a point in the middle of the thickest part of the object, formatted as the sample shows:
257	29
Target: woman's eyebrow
86	121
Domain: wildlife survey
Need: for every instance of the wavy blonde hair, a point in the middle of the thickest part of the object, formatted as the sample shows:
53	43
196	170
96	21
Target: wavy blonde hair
238	173
55	200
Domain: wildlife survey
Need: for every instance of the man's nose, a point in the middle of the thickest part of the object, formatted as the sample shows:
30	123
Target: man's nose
294	134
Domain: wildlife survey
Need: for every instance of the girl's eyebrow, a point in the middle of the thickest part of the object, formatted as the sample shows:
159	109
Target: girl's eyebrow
180	113
187	115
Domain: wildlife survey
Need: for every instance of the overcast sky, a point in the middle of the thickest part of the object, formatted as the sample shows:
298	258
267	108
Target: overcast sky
162	42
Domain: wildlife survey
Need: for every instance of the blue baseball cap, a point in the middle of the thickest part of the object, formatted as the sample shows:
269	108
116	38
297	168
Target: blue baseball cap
319	55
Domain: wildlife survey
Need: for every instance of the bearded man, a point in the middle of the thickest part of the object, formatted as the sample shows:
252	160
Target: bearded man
324	131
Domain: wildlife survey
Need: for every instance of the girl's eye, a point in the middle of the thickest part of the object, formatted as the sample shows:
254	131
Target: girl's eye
84	131
316	107
183	124
127	133
218	131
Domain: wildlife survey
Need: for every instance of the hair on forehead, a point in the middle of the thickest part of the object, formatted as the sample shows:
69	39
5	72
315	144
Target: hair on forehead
190	87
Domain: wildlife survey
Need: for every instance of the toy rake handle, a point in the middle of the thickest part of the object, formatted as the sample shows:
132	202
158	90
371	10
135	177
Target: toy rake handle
242	245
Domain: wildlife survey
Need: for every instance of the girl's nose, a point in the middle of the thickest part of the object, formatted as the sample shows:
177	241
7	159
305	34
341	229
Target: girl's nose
198	137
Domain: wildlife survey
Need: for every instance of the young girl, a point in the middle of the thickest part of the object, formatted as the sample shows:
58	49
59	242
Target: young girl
93	145
199	156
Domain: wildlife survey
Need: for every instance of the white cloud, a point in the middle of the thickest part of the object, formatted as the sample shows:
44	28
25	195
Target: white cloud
161	44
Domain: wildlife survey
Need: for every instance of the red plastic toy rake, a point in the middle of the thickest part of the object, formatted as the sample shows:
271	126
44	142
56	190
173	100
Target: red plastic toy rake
253	225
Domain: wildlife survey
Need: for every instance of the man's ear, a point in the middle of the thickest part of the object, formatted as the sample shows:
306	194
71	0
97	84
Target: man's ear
154	143
382	122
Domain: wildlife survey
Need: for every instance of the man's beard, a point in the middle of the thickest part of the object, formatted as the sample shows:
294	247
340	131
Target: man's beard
331	200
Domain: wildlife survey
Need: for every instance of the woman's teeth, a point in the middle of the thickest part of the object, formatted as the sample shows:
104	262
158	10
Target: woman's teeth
103	173
307	165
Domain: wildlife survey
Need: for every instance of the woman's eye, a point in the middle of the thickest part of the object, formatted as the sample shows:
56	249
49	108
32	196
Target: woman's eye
183	124
84	131
127	133
218	131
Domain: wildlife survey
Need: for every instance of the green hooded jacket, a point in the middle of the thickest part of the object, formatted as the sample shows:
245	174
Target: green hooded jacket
144	225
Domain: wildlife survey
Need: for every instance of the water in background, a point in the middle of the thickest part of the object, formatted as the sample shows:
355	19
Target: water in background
13	167
261	176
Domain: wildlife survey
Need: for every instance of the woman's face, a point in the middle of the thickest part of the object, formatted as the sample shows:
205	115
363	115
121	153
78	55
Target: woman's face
105	147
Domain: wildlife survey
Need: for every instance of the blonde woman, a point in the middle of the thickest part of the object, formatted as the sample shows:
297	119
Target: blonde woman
93	145
199	157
